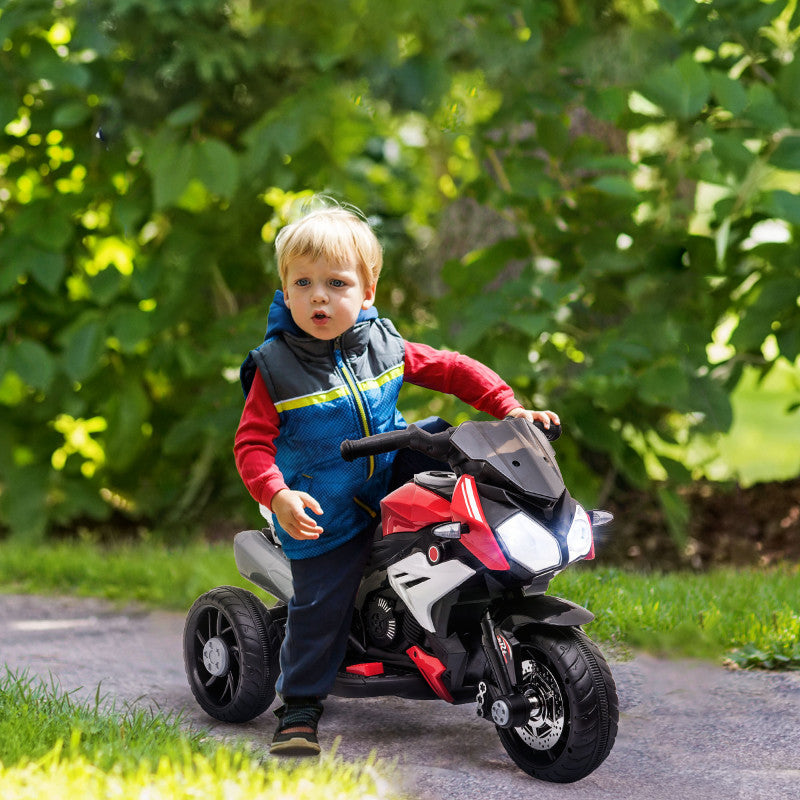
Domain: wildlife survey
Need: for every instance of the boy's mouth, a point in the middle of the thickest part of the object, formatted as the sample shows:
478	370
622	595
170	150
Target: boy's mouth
319	316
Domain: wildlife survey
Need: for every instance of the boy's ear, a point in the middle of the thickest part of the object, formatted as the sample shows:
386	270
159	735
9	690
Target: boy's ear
285	296
369	296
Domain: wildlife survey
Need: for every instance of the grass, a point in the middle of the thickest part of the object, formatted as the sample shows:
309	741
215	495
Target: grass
53	746
750	616
146	572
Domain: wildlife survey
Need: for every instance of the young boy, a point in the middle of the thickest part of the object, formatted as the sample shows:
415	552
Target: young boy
330	369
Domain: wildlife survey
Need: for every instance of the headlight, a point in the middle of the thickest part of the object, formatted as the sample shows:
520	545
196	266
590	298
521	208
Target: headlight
579	538
529	544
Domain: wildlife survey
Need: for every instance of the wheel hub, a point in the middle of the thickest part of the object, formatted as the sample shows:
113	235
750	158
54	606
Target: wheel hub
216	658
546	723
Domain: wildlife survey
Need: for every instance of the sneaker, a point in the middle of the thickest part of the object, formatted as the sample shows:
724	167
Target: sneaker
296	734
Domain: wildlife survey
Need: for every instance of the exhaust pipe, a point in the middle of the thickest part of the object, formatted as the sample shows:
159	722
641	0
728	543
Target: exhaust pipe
263	563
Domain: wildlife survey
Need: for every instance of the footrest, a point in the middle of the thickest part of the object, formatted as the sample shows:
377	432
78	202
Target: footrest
367	670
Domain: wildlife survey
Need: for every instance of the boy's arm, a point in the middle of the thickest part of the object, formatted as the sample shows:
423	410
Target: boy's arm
254	446
254	451
467	379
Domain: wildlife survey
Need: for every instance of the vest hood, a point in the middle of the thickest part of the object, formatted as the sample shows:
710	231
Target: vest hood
279	321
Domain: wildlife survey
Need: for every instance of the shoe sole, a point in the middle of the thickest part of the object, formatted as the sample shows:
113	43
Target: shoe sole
296	746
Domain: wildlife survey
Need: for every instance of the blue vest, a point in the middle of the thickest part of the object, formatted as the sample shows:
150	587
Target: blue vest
325	392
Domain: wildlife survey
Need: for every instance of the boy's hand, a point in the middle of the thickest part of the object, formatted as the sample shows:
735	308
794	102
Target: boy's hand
545	417
289	507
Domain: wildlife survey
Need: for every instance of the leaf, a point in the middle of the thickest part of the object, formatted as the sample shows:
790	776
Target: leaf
171	167
46	268
665	384
23	502
83	347
131	327
127	410
217	167
782	205
681	11
787	154
732	154
70	115
187	114
729	93
8	312
616	186
33	363
680	89
709	398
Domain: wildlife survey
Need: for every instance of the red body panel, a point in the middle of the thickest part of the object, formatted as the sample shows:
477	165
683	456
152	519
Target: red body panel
432	670
411	507
480	540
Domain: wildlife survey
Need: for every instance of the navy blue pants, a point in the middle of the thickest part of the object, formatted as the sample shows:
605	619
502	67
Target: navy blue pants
325	587
320	616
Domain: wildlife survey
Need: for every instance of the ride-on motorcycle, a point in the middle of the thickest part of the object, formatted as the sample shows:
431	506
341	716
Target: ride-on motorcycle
452	604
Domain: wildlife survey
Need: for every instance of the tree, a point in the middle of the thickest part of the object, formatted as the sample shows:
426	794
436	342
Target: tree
630	174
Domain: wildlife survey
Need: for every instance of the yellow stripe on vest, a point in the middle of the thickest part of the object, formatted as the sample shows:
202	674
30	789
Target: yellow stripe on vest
340	391
376	383
311	399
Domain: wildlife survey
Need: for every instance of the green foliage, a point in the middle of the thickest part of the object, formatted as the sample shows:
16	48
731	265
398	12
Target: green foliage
598	200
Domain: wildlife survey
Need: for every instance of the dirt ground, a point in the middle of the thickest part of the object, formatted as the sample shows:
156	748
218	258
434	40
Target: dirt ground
754	526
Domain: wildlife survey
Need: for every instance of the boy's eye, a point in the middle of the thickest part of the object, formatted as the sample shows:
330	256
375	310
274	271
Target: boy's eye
302	282
336	283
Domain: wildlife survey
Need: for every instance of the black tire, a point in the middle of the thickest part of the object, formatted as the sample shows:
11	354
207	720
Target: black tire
230	652
576	728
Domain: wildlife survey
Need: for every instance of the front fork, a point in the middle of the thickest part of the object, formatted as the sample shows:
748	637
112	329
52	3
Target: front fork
503	703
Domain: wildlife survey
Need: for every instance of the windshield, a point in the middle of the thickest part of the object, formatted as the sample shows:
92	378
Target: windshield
511	453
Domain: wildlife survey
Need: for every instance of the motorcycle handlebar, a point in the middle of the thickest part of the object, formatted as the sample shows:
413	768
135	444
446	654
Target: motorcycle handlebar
434	444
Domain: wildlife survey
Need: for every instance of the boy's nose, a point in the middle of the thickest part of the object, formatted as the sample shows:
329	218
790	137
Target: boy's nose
318	293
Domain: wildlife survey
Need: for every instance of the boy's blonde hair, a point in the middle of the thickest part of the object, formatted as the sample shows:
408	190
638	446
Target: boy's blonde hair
334	233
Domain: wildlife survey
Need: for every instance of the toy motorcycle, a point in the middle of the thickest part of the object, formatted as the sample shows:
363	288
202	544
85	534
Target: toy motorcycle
452	604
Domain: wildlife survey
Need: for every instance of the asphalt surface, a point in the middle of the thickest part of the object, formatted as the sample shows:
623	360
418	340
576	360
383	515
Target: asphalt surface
687	729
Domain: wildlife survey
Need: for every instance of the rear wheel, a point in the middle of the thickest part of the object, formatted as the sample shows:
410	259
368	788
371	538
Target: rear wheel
573	723
230	651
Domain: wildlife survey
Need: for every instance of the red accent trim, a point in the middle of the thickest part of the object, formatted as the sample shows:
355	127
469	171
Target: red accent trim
432	670
411	507
367	670
480	540
434	554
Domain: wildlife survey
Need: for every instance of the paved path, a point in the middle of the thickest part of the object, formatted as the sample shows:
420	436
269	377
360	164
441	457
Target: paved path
687	729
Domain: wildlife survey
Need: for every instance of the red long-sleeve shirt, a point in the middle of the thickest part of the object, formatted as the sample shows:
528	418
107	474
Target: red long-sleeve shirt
442	370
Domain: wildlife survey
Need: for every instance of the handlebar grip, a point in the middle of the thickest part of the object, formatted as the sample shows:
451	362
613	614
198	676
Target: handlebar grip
373	445
552	433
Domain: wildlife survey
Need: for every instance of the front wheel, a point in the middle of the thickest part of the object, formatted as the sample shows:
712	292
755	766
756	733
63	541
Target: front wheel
574	704
230	651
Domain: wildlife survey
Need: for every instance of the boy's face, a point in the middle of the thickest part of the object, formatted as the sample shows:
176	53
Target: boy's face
324	297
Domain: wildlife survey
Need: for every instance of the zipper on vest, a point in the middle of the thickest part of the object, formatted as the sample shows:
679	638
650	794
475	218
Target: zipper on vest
350	380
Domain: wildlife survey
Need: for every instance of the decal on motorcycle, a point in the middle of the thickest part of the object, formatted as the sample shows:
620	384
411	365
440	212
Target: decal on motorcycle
480	540
505	647
420	584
